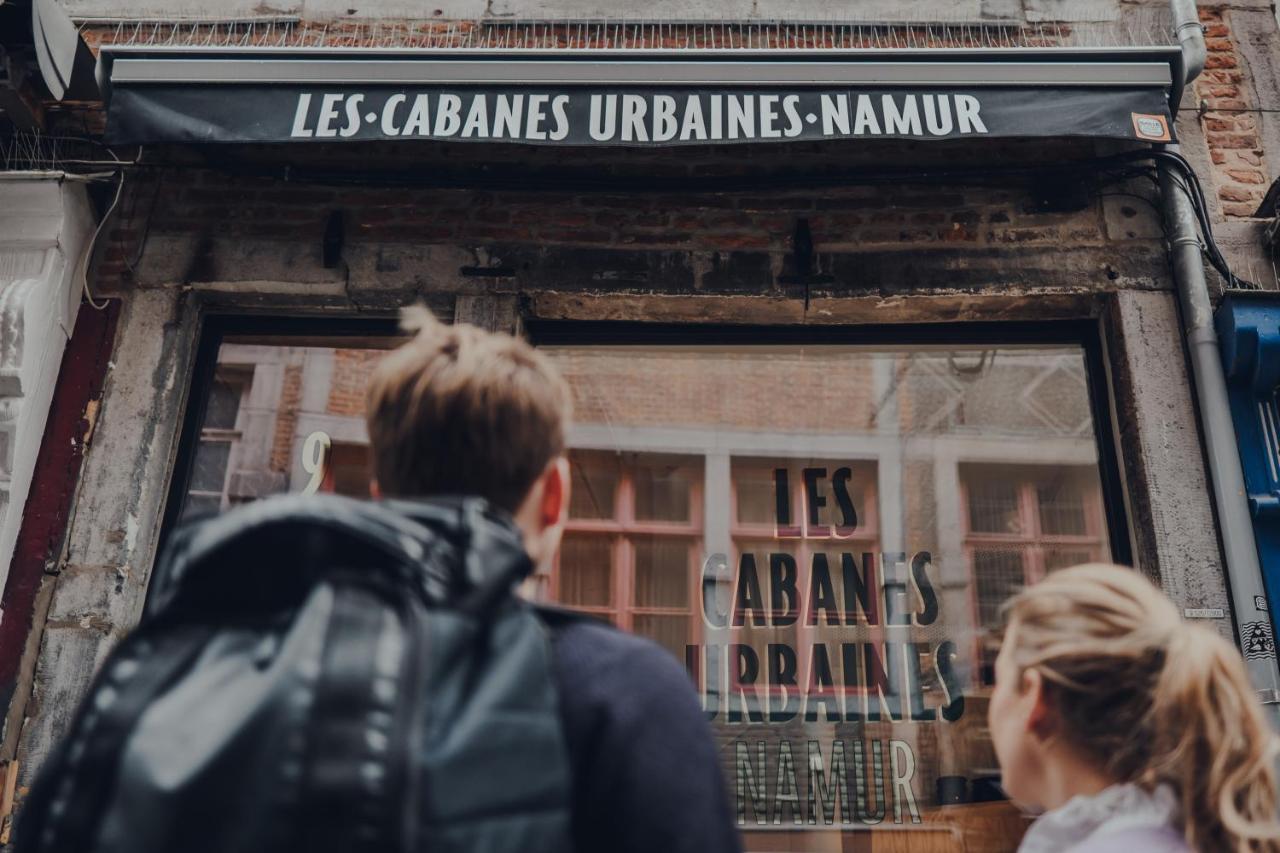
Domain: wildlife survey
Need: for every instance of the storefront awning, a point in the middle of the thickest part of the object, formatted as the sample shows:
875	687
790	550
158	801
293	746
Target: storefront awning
635	98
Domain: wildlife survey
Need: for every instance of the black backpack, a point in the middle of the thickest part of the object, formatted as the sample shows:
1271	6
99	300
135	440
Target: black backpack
320	674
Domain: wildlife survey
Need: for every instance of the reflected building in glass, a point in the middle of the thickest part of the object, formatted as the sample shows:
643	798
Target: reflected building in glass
823	535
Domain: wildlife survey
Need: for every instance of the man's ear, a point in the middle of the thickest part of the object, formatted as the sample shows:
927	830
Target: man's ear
554	505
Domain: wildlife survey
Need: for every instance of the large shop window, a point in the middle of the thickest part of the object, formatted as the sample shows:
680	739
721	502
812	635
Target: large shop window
822	534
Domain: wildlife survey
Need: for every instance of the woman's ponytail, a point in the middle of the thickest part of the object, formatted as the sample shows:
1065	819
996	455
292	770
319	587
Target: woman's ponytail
1154	700
1213	744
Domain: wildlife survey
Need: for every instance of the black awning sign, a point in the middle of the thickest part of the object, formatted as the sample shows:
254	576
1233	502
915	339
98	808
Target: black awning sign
584	116
638	118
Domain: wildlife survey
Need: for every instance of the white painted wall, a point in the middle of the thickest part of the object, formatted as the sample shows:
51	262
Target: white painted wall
45	225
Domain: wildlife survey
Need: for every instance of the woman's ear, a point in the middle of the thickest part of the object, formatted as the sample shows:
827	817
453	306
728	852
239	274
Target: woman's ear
1040	719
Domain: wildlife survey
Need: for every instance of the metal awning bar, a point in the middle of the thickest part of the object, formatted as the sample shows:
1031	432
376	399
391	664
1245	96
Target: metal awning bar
670	71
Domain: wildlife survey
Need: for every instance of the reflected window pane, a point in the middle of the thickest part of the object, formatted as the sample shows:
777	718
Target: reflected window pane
1065	558
299	386
347	470
224	404
198	505
998	574
662	572
1061	509
993	507
209	472
662	492
594	485
586	571
670	632
982	457
754	488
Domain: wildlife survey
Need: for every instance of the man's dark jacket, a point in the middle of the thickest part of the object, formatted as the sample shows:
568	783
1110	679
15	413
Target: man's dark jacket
645	774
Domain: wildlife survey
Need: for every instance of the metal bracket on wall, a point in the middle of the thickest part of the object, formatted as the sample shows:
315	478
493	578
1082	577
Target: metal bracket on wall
802	261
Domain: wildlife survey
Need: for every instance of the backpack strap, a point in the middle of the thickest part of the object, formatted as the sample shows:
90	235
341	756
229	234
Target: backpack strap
358	756
65	810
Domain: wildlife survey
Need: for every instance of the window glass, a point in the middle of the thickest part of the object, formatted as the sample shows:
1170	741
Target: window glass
1062	507
283	417
663	491
662	577
993	506
753	493
997	573
822	535
210	469
848	522
224	403
586	579
594	485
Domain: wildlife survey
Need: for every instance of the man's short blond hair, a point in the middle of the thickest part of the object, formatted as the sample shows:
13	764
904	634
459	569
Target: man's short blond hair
462	411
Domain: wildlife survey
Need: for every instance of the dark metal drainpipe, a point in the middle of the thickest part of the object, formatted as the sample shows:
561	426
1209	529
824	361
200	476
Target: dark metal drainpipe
1244	572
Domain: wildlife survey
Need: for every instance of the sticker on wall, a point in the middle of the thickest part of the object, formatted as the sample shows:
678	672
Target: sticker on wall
1257	640
1153	128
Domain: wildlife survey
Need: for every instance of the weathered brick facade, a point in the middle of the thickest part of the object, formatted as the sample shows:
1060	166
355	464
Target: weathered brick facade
1230	120
724	241
287	419
349	382
515	237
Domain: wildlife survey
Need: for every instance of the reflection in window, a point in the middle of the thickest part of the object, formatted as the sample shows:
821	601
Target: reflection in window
993	507
662	572
982	458
997	574
1062	508
632	543
224	403
670	632
594	485
264	401
662	492
753	489
1065	558
207	487
210	470
347	470
1026	521
586	572
972	472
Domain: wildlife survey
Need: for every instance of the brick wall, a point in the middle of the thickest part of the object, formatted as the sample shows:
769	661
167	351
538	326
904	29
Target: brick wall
1230	121
206	205
351	368
286	419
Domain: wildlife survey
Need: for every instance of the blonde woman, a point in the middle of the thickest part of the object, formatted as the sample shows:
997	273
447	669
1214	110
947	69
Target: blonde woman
1131	729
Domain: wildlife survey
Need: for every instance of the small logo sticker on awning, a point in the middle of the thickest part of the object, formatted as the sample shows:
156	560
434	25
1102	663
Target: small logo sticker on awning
1153	128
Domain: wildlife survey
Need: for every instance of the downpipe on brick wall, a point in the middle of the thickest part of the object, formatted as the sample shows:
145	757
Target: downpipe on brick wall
1244	571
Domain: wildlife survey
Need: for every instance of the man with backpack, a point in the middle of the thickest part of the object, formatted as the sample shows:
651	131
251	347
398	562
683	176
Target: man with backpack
317	673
